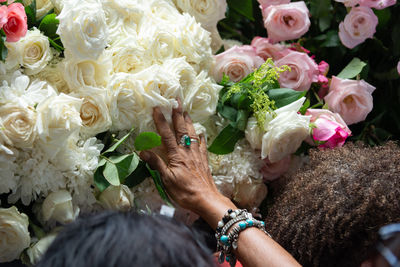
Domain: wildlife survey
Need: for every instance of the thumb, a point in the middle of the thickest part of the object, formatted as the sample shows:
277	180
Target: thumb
155	162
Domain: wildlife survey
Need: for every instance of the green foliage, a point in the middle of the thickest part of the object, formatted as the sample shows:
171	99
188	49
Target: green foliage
225	142
243	7
119	166
147	140
353	69
159	185
31	14
3	48
284	96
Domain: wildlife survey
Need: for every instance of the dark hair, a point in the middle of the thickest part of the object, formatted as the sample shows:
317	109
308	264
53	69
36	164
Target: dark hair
329	212
126	239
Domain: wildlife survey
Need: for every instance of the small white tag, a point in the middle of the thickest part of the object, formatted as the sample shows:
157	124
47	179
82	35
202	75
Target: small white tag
167	211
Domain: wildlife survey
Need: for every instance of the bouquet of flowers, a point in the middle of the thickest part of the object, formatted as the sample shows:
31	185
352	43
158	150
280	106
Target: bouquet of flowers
80	79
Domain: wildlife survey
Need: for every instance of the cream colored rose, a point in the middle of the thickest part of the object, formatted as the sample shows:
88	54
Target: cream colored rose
254	133
117	198
42	7
201	100
58	5
18	124
34	51
94	111
128	57
14	234
89	72
12	59
129	107
285	133
58	118
53	74
207	12
36	252
249	194
58	206
83	28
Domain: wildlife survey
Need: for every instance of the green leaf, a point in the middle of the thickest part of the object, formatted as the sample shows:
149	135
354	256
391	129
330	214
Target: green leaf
31	14
147	140
383	17
118	167
225	142
118	143
243	7
53	43
227	112
321	9
285	96
352	69
3	49
138	176
99	180
159	185
241	120
305	106
49	25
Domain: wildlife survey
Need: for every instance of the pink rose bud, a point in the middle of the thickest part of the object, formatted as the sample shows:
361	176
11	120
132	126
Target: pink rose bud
359	24
323	68
303	71
3	15
267	3
330	128
287	21
237	63
348	3
272	171
266	49
352	99
16	26
378	4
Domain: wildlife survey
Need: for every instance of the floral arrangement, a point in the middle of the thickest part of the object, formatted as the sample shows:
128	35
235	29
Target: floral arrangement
80	79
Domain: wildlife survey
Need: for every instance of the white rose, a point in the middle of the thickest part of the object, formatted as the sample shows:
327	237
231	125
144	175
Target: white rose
58	206
58	118
129	105
94	111
201	99
53	74
129	57
14	234
254	133
117	198
34	51
42	7
58	5
83	28
207	12
18	124
12	59
249	194
89	72
285	133
36	252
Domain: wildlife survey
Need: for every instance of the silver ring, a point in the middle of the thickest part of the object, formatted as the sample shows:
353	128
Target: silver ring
187	141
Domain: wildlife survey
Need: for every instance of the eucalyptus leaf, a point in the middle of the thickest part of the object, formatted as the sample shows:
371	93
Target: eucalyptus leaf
285	96
225	142
99	179
352	69
159	185
118	143
243	7
118	167
111	174
147	140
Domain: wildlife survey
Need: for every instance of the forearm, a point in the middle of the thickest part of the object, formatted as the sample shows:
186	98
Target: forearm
255	248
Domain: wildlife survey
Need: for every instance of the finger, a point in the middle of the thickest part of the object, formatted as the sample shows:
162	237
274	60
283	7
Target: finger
155	162
191	130
203	151
178	121
167	136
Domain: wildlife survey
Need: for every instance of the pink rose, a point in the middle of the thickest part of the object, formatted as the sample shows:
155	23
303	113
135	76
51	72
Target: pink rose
348	3
266	49
330	128
3	15
350	98
378	4
267	3
359	24
303	71
16	26
287	21
271	171
237	63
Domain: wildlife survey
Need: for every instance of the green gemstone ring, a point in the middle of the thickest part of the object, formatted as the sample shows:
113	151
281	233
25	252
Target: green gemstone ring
187	141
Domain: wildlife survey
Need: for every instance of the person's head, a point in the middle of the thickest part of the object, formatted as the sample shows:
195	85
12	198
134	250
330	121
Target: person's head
126	239
329	212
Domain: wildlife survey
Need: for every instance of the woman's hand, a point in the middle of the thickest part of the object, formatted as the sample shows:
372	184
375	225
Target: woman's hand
186	175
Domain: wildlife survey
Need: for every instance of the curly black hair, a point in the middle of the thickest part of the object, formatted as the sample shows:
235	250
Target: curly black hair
330	211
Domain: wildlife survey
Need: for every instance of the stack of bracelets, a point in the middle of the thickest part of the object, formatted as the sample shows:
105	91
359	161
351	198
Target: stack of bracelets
227	235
